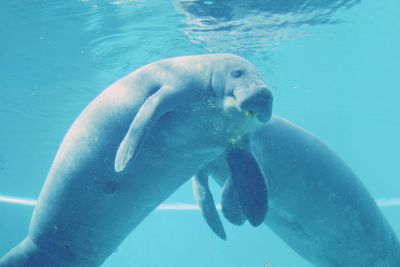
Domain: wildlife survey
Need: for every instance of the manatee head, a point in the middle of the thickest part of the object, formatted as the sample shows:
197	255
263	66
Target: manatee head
240	87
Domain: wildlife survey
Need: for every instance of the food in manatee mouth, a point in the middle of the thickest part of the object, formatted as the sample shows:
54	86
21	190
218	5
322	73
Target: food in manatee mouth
249	113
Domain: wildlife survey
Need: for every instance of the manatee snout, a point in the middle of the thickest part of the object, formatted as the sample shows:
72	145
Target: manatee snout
258	101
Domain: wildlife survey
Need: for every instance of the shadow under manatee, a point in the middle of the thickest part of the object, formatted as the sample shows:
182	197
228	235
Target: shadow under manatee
253	24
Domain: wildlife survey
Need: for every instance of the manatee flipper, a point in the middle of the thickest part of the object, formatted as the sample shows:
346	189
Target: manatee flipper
161	102
230	203
250	184
205	200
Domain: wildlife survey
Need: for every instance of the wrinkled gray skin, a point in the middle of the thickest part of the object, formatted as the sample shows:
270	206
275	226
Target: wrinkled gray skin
167	120
317	205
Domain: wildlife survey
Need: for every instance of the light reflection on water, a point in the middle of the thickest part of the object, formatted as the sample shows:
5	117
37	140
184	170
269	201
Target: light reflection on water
254	26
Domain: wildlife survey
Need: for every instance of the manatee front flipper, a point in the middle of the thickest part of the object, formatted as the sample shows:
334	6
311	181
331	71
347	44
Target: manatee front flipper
230	203
205	200
161	102
249	183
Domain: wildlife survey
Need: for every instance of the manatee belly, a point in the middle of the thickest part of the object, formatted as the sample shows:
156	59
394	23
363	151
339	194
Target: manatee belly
86	209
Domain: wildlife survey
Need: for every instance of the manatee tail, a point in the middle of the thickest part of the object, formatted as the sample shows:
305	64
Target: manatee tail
26	254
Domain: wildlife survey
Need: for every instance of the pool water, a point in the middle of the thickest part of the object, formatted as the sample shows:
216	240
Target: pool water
333	67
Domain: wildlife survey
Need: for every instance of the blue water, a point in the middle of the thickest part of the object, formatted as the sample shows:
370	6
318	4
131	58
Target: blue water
333	66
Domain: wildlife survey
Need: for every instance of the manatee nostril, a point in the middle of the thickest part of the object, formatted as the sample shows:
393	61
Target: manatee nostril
110	188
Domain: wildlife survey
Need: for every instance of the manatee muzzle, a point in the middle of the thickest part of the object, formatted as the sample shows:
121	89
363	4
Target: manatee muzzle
258	102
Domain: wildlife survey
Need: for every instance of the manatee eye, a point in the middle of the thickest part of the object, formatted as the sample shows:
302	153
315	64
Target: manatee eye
237	73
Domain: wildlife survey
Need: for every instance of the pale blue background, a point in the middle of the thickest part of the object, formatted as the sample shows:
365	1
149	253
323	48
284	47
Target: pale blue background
338	80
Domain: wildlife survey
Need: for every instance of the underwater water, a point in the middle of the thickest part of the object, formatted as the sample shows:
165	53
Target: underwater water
333	67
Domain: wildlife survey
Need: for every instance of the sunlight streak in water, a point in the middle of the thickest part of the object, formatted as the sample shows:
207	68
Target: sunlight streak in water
387	202
17	201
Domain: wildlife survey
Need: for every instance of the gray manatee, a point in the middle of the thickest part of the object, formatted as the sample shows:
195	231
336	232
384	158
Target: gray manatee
316	204
132	147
